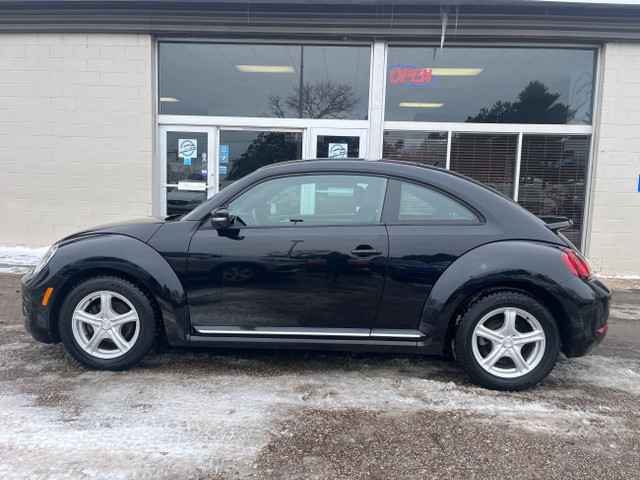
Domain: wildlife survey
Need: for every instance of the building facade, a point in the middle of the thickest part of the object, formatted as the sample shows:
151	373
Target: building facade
112	110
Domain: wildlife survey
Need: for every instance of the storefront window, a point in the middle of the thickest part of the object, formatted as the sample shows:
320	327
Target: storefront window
429	148
490	85
287	81
490	159
553	176
553	168
245	151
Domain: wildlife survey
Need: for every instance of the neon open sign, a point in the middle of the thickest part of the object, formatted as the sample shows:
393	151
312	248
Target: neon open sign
411	76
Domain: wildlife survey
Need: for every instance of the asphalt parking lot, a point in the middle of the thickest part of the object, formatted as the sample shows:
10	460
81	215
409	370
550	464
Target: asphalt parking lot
268	414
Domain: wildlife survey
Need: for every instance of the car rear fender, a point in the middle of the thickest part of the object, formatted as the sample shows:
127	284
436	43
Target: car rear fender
112	254
523	265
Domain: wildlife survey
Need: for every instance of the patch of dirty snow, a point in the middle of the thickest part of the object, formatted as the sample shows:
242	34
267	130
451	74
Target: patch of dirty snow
614	373
627	312
19	260
148	423
622	277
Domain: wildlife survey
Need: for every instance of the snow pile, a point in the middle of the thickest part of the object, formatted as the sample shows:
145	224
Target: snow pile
19	260
621	277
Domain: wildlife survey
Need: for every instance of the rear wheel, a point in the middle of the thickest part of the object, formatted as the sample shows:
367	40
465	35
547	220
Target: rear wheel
507	340
107	323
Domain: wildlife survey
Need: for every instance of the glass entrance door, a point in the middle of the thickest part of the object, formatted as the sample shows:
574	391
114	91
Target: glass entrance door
187	171
338	143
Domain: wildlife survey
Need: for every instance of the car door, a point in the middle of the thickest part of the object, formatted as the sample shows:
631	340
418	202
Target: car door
428	230
304	255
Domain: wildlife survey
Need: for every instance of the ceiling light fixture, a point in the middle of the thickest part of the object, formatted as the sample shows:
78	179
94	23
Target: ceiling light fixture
265	68
168	99
420	105
461	72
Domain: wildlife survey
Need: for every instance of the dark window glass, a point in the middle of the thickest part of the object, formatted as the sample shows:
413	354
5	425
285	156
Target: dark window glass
311	200
420	204
490	85
243	151
429	148
291	81
553	175
490	159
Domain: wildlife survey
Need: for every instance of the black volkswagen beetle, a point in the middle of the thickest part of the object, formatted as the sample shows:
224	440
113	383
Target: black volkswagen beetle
338	255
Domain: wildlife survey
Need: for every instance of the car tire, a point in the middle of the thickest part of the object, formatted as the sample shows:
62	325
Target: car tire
507	340
112	338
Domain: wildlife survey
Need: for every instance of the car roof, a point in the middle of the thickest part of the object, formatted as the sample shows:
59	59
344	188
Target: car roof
397	168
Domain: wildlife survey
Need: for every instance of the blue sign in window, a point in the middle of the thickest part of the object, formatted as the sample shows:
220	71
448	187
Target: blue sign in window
224	153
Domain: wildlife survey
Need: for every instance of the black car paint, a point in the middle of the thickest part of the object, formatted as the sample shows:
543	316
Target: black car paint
284	292
99	254
426	280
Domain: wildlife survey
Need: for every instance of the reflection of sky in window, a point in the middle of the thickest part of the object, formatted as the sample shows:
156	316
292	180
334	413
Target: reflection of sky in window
507	71
205	80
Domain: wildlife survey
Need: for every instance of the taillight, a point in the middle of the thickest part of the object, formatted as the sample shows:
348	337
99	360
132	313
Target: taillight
576	264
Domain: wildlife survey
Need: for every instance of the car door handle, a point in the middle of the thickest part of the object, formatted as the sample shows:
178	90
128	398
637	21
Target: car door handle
365	251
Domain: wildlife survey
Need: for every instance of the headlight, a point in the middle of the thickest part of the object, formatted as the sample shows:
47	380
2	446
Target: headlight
45	258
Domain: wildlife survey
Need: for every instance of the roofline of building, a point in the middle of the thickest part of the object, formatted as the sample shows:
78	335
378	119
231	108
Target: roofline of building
568	21
364	3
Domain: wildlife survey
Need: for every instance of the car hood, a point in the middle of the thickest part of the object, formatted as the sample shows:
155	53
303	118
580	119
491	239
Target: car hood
140	228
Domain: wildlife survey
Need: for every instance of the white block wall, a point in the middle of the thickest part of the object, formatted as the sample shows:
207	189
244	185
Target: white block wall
613	240
76	133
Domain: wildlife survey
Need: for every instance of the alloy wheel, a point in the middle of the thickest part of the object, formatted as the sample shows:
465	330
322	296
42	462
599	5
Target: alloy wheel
105	324
508	342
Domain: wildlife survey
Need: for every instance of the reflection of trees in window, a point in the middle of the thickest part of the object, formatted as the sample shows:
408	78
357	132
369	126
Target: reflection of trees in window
325	99
429	148
265	149
535	104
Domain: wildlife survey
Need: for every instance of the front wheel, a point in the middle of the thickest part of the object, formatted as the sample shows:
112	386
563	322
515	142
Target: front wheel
507	340
107	323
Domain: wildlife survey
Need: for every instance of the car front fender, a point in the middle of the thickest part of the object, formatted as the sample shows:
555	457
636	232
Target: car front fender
113	254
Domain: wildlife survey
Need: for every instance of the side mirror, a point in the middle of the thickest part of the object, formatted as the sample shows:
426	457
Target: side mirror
220	218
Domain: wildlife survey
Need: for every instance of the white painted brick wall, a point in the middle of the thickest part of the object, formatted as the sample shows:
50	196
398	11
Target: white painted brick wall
76	133
613	240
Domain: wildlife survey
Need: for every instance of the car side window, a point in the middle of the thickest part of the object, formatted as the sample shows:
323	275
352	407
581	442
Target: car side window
420	204
311	200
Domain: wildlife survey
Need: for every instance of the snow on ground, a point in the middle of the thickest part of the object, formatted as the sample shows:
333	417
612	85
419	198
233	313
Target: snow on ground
621	277
19	260
182	414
